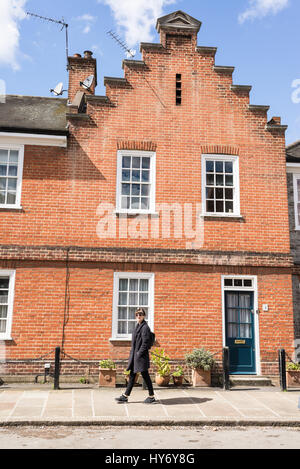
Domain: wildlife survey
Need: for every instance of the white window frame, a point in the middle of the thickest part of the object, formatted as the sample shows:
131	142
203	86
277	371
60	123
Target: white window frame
20	149
254	289
152	156
296	177
11	289
236	184
133	275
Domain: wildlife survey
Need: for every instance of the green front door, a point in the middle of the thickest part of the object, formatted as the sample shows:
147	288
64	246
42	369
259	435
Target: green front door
240	331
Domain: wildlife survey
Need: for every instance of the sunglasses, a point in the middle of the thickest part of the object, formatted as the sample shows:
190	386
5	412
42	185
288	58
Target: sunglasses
139	314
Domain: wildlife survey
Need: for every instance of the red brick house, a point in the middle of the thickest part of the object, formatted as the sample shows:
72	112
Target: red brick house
169	192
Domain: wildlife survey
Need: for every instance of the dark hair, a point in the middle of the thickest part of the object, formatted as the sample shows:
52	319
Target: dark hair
141	310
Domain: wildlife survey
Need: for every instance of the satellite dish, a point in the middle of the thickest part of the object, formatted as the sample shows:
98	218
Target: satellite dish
58	90
87	83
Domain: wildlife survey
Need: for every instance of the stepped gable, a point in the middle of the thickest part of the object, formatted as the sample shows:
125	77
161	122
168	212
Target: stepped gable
178	24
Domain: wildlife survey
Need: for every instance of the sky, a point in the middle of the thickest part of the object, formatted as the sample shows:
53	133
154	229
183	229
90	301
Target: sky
260	38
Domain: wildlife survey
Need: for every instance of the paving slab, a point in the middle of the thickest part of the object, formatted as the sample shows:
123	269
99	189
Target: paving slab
175	406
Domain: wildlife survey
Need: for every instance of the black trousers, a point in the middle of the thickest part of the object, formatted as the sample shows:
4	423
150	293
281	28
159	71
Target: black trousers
146	376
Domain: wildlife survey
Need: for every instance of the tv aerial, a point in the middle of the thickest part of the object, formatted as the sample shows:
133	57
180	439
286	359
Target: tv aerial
58	90
62	23
129	52
87	83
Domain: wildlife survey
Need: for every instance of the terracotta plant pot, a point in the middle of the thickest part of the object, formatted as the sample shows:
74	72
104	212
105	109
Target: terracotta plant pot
178	380
201	377
107	377
135	379
293	378
162	380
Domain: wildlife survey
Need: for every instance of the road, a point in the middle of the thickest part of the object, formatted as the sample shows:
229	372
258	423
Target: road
94	437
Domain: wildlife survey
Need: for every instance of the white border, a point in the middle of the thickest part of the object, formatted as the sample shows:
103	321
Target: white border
236	184
117	276
254	289
11	290
152	156
20	149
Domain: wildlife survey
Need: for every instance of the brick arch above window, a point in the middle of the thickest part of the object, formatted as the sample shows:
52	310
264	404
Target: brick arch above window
220	149
136	145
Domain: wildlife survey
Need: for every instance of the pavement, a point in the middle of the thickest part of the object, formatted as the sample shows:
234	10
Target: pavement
40	404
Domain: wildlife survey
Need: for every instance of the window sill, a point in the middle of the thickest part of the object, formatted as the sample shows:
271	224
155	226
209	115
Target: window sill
222	215
5	338
134	214
119	339
11	207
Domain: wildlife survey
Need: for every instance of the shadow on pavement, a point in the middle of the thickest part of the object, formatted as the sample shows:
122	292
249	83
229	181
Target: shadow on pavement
184	400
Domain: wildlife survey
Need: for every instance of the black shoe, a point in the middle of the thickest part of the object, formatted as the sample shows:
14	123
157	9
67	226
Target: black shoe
122	398
149	400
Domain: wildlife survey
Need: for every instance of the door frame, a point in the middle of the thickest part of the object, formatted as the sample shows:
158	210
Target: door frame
253	289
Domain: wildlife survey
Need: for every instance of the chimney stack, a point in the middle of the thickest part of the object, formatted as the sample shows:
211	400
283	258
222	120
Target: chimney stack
80	68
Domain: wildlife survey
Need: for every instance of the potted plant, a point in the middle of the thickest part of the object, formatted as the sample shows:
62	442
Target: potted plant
201	361
161	361
178	376
293	375
126	376
107	373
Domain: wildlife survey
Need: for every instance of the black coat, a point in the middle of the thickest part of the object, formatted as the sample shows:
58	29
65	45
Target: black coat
140	344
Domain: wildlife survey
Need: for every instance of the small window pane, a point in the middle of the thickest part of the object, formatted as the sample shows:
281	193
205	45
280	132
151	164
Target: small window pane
3	297
125	175
122	327
3	156
144	285
3	311
122	298
228	282
210	206
145	203
134	284
219	206
219	180
131	326
13	156
228	167
219	167
229	207
210	179
233	330
135	202
219	193
247	283
3	170
136	162
136	175
133	299
2	326
3	183
131	313
145	176
122	313
136	189
210	193
229	180
12	184
143	299
2	197
126	161
145	190
238	282
13	171
209	166
11	197
146	163
123	284
125	202
229	194
125	189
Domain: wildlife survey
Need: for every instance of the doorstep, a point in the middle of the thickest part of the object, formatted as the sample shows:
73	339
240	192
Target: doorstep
250	380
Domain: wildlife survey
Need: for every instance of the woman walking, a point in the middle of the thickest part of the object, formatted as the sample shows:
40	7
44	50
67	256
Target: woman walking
139	357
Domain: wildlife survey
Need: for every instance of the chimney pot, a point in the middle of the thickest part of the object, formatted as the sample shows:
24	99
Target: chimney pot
88	54
77	55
